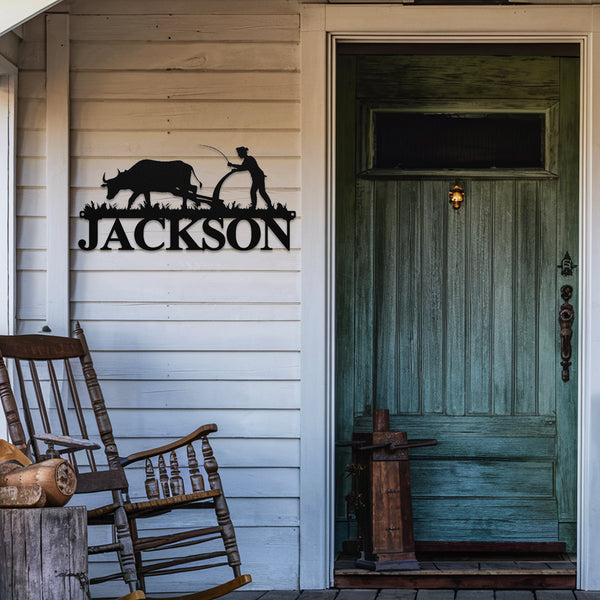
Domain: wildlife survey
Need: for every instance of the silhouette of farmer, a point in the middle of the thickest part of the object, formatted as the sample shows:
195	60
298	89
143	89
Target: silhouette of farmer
258	177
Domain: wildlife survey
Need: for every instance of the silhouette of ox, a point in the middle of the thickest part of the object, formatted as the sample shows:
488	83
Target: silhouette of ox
154	176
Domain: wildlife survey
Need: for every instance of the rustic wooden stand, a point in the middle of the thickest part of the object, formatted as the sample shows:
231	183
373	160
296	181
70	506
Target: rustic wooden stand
43	553
383	482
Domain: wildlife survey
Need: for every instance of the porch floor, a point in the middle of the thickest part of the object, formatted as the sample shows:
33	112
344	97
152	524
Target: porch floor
550	572
407	594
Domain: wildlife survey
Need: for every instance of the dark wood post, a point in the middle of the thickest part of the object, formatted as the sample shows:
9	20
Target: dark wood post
388	540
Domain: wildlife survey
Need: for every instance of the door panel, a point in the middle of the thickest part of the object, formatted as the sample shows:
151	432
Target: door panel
448	318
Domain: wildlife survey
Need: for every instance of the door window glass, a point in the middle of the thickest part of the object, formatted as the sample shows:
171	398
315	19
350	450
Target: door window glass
409	140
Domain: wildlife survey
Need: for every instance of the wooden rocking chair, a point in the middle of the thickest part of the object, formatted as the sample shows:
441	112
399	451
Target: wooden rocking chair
55	365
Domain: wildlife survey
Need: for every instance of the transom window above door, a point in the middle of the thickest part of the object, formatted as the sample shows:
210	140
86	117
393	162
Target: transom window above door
406	142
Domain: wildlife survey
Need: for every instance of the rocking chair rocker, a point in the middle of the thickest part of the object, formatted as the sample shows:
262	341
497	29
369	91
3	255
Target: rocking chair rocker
45	363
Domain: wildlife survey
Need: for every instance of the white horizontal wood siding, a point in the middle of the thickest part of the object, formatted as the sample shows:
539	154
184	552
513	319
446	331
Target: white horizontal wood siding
197	337
182	338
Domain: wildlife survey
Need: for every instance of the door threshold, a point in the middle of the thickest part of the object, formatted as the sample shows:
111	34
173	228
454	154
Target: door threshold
470	566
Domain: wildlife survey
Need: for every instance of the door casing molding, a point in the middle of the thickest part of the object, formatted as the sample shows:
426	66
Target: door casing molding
323	27
8	127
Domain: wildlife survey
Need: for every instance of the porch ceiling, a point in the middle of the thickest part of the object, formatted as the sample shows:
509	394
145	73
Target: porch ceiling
455	2
13	14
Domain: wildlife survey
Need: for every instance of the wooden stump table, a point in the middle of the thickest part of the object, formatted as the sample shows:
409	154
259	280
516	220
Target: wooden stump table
43	553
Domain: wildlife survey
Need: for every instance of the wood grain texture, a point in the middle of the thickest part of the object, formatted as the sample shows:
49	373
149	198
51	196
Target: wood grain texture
185	7
178	86
474	581
346	280
9	47
32	347
31	85
479	275
503	223
526	291
385	259
432	310
44	550
464	307
478	77
161	115
363	294
166	27
409	236
566	407
458	350
32	55
206	56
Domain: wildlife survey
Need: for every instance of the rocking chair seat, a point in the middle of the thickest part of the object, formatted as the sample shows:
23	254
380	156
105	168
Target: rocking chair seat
151	507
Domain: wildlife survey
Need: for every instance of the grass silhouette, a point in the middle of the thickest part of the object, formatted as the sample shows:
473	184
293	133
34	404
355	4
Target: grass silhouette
158	211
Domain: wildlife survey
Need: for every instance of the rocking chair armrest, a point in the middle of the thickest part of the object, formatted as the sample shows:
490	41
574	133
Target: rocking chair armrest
70	444
184	441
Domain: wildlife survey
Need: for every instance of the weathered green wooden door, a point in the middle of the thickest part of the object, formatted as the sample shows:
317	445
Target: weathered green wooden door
449	318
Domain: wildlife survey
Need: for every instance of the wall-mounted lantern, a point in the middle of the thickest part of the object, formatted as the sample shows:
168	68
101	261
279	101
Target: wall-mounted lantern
457	196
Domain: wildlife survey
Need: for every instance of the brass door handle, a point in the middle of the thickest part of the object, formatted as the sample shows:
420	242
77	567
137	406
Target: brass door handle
566	316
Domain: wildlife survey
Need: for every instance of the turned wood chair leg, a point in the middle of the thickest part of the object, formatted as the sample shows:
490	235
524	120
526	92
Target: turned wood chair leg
124	538
222	510
137	555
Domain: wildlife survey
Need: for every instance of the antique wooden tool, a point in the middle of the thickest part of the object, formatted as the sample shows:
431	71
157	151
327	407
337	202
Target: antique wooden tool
50	482
381	496
55	476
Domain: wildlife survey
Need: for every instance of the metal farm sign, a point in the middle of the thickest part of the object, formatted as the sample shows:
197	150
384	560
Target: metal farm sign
200	223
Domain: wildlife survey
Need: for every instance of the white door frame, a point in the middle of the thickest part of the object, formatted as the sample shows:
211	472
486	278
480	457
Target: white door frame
8	127
323	27
8	95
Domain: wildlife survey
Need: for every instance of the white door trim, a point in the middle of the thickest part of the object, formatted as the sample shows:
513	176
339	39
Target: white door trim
323	27
8	95
8	126
57	173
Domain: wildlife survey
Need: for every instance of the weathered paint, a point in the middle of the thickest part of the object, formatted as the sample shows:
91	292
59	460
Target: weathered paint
450	318
158	86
